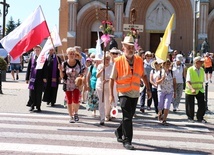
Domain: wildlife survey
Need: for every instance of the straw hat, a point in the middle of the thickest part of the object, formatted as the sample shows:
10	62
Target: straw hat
129	40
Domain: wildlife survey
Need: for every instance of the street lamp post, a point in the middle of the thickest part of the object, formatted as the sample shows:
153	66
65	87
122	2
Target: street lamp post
5	12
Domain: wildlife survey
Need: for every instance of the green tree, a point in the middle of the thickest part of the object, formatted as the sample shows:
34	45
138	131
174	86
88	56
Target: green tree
10	26
18	23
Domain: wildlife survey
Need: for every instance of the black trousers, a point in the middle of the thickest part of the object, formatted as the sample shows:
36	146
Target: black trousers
35	96
155	99
190	106
128	106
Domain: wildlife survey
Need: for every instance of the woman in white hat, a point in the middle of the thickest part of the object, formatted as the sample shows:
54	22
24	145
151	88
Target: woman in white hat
114	53
147	67
104	106
153	77
91	79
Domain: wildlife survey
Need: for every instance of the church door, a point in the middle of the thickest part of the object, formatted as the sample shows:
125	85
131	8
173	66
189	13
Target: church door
154	41
94	39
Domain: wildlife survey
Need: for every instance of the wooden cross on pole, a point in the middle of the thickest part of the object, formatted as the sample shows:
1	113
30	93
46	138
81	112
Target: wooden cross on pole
133	16
106	16
106	9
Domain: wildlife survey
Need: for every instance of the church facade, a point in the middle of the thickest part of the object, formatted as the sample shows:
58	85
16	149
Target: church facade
80	20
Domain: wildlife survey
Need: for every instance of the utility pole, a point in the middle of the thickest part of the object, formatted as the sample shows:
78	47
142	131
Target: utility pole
5	12
196	14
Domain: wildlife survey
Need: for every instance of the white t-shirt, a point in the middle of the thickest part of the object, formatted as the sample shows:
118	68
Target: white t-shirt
155	74
178	72
15	61
108	70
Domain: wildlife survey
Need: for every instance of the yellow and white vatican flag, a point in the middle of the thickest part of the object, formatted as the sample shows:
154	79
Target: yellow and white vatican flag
52	42
163	48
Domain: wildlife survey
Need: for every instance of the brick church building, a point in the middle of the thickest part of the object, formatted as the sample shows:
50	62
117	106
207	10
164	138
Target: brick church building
79	21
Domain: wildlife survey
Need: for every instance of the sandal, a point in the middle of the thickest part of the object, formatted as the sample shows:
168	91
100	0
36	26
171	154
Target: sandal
164	123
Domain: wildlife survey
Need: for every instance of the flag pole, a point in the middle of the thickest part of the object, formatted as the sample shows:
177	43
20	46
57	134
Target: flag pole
106	14
49	34
63	55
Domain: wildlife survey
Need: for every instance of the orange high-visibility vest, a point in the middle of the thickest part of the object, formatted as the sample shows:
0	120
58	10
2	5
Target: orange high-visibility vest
128	80
207	62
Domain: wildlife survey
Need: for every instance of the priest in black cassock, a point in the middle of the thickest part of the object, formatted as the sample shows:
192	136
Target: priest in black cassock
53	78
36	80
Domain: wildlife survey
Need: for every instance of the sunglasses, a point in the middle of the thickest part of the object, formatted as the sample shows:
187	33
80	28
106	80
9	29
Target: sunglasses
115	53
149	56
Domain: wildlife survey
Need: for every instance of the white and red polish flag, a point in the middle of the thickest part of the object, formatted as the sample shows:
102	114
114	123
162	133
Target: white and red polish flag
27	35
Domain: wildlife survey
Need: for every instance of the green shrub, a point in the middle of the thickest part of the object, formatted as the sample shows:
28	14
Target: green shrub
3	64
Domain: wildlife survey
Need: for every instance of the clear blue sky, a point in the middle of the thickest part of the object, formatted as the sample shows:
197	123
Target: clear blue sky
20	9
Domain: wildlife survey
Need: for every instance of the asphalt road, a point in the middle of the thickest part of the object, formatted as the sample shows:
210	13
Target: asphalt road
49	132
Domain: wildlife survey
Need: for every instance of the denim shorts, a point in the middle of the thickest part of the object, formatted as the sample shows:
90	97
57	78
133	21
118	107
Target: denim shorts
14	67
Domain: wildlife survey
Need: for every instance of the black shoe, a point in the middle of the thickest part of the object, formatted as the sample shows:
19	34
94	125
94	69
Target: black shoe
38	110
202	121
191	120
128	146
142	110
31	109
102	122
76	117
119	138
52	104
17	77
28	105
48	103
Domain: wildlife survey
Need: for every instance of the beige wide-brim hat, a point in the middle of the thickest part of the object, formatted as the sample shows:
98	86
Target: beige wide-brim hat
129	40
153	64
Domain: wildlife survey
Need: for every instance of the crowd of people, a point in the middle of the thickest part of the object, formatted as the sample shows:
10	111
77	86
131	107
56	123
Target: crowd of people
123	76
